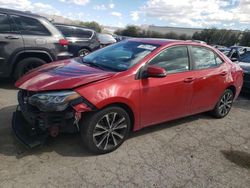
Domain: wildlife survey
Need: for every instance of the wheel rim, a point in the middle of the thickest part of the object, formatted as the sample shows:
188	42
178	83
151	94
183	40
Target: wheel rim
110	131
83	53
226	103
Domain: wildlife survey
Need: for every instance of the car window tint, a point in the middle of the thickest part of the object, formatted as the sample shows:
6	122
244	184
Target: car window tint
30	26
82	33
66	31
203	58
173	60
4	23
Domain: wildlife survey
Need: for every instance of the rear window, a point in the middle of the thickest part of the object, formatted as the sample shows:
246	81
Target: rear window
75	32
30	26
4	24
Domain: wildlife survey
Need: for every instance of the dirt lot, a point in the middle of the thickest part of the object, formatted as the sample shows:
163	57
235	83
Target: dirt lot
197	151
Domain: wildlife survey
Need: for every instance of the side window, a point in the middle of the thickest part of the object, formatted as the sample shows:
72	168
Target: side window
4	24
203	58
30	26
218	60
82	33
66	31
173	60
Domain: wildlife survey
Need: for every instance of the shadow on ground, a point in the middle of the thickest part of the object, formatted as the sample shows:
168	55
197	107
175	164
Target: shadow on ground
71	145
239	158
65	144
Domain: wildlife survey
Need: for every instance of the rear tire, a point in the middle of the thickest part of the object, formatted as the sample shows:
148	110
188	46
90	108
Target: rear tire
83	52
105	130
224	105
26	65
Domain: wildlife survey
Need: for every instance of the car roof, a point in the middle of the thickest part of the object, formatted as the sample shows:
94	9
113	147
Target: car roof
20	13
72	25
163	42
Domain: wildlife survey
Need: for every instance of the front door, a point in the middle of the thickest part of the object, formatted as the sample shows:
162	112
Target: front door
10	42
167	98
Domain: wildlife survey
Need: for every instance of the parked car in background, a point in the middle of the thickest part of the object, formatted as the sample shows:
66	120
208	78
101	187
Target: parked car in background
106	39
118	38
237	51
244	62
124	87
28	41
82	40
225	51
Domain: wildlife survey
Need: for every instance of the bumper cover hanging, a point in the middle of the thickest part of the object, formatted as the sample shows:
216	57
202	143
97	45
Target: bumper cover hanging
25	133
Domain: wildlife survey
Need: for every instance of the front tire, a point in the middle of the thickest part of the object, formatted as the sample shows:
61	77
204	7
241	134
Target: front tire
27	65
105	130
224	105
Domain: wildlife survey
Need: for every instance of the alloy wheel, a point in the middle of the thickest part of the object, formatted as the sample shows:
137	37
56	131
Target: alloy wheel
110	131
83	52
225	103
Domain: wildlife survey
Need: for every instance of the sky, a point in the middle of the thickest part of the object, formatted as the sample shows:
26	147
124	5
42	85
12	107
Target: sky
229	14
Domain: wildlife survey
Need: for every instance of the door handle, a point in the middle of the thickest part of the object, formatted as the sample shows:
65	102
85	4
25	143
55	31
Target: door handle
189	80
12	37
224	73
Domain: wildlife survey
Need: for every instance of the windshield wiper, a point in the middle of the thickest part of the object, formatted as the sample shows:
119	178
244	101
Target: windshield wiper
103	67
92	64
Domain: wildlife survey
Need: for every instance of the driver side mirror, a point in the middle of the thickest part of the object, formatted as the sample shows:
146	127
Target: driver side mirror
155	72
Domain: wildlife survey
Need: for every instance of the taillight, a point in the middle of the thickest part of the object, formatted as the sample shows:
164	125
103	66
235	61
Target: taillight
63	42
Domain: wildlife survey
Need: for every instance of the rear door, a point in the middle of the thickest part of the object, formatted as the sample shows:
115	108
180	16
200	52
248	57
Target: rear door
10	43
210	74
167	98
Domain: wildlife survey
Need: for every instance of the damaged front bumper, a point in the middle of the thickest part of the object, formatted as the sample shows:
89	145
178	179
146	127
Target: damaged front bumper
25	133
32	127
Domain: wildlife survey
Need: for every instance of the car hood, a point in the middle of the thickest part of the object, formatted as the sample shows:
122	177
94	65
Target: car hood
245	66
60	75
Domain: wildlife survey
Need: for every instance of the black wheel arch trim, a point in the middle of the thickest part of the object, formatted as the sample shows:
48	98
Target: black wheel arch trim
13	62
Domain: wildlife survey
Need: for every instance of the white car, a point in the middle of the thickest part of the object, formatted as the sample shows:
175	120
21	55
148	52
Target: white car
106	39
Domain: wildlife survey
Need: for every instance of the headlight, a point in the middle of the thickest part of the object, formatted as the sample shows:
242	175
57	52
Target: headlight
53	101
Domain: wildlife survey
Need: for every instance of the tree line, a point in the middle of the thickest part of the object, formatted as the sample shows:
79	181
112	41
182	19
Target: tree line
211	36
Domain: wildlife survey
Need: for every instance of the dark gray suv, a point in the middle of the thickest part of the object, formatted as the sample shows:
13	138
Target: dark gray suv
82	40
28	41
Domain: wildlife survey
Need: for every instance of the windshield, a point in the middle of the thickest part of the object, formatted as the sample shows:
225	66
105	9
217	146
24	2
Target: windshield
120	56
245	57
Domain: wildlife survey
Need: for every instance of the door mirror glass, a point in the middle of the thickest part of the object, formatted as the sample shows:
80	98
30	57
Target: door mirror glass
155	72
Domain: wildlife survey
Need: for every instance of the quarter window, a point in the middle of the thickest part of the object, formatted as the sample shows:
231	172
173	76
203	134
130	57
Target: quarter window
173	60
4	24
205	58
82	33
68	31
30	26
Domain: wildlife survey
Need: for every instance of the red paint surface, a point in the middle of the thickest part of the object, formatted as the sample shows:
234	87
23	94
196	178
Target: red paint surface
152	100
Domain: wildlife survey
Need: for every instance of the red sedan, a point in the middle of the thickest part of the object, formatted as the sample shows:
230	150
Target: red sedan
124	87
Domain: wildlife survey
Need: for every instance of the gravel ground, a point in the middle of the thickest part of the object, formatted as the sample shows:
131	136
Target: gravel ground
196	151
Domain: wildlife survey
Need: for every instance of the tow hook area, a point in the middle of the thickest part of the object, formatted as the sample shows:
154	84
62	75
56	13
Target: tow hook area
79	109
78	116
